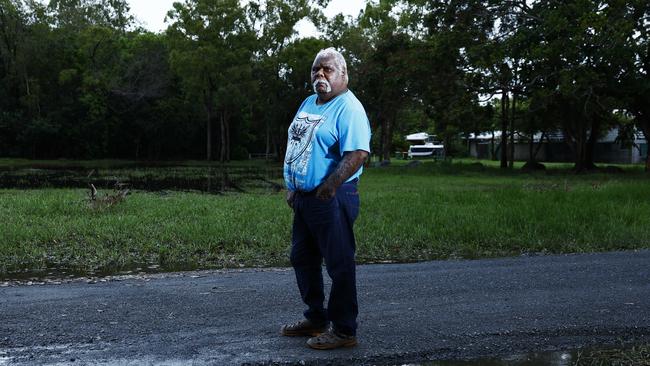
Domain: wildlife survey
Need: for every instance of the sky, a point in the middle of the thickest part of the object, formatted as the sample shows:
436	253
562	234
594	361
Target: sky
151	14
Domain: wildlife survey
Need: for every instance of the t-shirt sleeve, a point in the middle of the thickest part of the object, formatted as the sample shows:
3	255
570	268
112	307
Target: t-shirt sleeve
354	129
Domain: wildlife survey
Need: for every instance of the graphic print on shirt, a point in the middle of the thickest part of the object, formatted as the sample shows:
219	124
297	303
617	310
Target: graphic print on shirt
299	146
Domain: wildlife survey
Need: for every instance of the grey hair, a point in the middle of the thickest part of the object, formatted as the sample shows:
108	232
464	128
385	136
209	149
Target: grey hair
339	60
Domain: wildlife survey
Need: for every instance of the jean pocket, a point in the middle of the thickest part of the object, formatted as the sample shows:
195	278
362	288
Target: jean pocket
350	199
321	211
318	203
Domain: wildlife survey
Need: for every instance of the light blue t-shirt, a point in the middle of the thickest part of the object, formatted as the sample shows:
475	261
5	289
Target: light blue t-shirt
319	136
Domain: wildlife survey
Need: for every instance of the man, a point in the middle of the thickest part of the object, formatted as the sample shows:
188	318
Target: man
329	139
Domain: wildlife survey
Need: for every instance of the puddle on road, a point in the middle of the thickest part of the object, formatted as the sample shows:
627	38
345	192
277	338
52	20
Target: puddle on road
560	358
54	273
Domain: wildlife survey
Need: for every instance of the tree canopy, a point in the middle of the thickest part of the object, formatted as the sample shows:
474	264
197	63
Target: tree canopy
79	79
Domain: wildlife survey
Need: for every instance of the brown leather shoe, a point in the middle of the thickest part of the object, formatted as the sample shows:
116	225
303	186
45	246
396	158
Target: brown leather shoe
332	340
303	328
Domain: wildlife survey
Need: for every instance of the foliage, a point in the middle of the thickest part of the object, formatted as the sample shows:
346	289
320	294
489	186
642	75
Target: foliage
79	80
211	52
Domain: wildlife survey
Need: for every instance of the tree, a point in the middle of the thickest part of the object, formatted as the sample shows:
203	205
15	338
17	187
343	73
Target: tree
635	83
293	86
282	67
13	24
79	14
212	43
384	77
445	82
580	55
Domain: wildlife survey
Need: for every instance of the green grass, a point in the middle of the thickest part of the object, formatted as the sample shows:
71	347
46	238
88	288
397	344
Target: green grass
58	227
634	356
434	211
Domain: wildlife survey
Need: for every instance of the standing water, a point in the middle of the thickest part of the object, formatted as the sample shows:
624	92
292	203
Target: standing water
215	180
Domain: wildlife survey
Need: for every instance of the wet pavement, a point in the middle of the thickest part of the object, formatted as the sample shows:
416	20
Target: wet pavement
558	358
53	272
433	313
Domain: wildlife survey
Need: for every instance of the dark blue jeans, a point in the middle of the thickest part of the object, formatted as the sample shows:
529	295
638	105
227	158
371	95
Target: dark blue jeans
323	230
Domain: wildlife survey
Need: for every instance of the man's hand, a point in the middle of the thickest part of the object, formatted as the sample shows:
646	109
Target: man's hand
290	197
325	191
350	163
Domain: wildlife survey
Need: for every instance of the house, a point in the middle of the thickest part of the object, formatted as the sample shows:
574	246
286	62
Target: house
552	147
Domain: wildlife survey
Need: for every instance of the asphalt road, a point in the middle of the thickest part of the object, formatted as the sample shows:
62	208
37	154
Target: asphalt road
409	313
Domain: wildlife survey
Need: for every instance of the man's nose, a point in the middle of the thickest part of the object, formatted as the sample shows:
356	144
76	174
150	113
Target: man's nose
319	72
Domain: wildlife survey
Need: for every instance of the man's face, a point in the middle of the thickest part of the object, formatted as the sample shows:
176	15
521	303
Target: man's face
326	78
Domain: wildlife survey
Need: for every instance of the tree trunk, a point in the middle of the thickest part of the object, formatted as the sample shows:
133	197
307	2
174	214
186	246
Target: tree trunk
644	125
207	99
227	123
531	147
511	162
380	118
539	145
504	129
388	144
581	149
385	137
642	122
280	146
469	144
590	148
222	133
492	152
268	140
447	145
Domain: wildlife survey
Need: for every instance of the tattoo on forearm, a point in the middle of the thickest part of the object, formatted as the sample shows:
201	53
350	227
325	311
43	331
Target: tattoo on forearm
350	163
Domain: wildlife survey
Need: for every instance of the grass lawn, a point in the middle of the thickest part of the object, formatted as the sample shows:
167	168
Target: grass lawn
634	356
433	211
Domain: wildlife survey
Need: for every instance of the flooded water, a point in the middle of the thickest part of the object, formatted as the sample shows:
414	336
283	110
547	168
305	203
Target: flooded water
557	358
57	273
536	359
202	179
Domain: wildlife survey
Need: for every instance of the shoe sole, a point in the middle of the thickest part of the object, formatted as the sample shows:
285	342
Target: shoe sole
346	344
313	333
